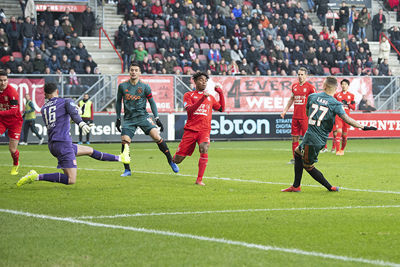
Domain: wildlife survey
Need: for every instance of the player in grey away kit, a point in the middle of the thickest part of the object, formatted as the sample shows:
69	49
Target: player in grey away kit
56	114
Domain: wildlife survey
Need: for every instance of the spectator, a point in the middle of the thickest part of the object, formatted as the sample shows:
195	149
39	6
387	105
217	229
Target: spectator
322	9
82	52
310	54
189	30
74	40
340	57
143	10
263	65
27	64
363	57
348	68
365	105
384	68
395	36
156	11
297	55
87	80
157	65
332	33
353	46
226	54
13	32
144	32
88	22
47	16
199	34
219	34
378	23
236	54
49	42
28	31
384	49
77	64
43	30
162	44
65	64
57	31
189	43
362	22
175	41
222	67
343	16
67	15
214	54
316	68
69	51
259	44
12	65
20	71
73	84
67	29
39	65
310	42
175	23
209	31
224	10
230	24
253	56
289	43
130	10
306	21
44	52
140	53
31	50
365	45
343	33
244	68
90	62
53	64
127	49
197	65
352	17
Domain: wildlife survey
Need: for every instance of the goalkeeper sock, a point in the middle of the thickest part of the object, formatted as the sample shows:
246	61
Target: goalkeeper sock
298	170
127	167
202	166
103	156
319	177
54	177
15	157
294	146
344	142
337	141
164	149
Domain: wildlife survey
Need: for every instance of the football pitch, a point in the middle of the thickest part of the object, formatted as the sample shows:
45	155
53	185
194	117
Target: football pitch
240	218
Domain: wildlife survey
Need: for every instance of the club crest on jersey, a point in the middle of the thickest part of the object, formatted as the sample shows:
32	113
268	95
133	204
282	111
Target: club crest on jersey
304	90
5	98
139	90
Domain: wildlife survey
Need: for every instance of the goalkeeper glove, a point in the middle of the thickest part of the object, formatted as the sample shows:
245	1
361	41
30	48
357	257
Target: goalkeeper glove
118	125
369	128
85	128
159	124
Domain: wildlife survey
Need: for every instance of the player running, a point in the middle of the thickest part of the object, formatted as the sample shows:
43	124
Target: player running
135	94
300	91
56	115
199	105
321	110
340	128
10	118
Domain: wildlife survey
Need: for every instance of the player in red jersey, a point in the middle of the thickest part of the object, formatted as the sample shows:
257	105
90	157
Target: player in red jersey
300	92
199	105
340	128
10	118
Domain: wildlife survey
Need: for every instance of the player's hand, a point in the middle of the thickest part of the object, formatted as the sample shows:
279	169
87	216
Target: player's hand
159	124
283	115
218	89
118	125
369	128
85	128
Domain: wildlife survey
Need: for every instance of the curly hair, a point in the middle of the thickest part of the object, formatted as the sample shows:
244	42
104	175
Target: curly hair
199	74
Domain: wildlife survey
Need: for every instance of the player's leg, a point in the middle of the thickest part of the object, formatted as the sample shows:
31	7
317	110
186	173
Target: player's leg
344	137
185	147
162	145
81	150
296	132
80	136
310	156
125	150
337	141
203	160
333	149
25	132
298	172
13	147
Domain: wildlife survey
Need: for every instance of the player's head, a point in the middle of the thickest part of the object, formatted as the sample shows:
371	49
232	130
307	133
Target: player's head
302	74
200	80
345	84
134	71
85	97
50	90
3	80
330	85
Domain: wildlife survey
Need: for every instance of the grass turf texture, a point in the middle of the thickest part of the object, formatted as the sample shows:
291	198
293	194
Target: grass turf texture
367	233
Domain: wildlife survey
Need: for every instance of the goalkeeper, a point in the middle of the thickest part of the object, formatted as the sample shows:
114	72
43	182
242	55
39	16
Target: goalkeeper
135	94
56	114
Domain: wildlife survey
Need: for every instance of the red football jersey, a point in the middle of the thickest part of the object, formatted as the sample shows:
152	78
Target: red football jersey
9	105
300	94
200	120
347	99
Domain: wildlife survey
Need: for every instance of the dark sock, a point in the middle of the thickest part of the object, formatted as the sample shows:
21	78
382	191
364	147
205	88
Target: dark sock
164	149
103	156
298	170
127	167
319	177
54	177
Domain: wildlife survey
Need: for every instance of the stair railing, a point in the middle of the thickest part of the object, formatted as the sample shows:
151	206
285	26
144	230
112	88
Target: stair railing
101	29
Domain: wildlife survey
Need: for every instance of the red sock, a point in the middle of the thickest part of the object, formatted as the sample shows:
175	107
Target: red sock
337	141
15	157
344	142
333	143
294	146
202	166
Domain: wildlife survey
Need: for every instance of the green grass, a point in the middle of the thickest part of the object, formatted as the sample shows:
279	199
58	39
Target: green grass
257	172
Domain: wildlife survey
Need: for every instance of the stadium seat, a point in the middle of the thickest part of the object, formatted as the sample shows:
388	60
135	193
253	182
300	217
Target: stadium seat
166	34
248	3
335	71
138	43
204	46
186	69
178	68
149	22
183	23
161	24
227	46
149	57
17	55
290	36
326	70
138	22
160	56
151	47
61	43
298	35
351	36
203	59
217	46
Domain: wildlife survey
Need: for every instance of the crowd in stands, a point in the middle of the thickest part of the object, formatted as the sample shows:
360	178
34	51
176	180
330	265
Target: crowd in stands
47	46
236	37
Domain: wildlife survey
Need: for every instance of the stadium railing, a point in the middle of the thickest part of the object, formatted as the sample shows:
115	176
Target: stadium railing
102	30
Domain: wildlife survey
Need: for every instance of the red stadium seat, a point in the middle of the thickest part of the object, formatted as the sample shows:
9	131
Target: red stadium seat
186	69
335	71
290	36
160	56
297	36
178	68
326	70
217	46
160	23
202	58
204	46
166	34
183	23
149	22
227	46
17	55
138	43
138	22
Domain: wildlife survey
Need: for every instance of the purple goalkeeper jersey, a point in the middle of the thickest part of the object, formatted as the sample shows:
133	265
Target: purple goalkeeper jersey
56	115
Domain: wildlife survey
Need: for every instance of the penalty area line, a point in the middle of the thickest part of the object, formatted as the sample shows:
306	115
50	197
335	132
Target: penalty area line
205	238
231	211
214	178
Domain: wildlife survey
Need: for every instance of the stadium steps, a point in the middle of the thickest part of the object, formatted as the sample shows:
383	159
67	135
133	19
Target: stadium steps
11	8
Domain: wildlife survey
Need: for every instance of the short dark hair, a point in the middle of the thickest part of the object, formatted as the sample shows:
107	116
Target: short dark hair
345	81
304	69
3	73
50	88
199	74
134	64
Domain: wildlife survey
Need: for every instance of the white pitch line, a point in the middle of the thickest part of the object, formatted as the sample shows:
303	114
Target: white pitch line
230	211
208	239
214	178
347	151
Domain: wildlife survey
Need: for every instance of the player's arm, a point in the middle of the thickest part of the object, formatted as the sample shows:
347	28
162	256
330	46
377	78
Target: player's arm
218	89
352	104
72	110
288	105
118	105
13	108
91	112
191	108
153	107
354	123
